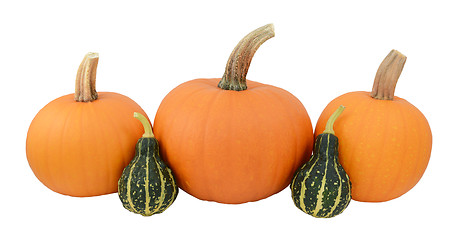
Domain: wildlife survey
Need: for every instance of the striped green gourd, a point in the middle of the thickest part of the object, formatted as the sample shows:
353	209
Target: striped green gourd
147	185
321	187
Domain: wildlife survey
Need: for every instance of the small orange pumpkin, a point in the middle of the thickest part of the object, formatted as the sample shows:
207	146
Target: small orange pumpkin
79	144
385	142
232	140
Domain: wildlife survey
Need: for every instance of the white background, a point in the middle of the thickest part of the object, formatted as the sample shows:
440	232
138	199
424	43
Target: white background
320	51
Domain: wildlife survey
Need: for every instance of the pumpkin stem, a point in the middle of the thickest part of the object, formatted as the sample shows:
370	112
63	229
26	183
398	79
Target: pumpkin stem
238	63
148	133
387	76
331	120
85	84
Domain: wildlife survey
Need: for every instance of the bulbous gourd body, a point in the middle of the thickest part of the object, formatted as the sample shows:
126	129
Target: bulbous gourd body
321	186
147	185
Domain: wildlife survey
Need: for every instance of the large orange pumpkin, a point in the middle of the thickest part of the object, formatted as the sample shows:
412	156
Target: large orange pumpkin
385	142
78	144
230	140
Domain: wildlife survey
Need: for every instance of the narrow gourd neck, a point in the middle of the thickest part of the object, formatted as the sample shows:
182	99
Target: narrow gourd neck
387	76
148	133
331	120
85	84
234	77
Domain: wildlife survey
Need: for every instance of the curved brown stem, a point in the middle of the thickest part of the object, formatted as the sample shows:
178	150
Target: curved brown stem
387	76
238	63
85	84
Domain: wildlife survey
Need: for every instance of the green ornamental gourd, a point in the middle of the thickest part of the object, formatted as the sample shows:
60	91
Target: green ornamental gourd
147	185
321	187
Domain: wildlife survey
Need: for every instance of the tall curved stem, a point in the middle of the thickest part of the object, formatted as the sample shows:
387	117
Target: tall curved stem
234	77
85	84
387	76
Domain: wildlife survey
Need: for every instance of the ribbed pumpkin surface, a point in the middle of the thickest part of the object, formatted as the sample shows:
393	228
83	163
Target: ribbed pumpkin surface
385	145
232	146
81	148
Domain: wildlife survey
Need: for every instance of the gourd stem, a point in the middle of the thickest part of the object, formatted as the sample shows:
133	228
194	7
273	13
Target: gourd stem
331	120
387	76
234	77
85	84
148	133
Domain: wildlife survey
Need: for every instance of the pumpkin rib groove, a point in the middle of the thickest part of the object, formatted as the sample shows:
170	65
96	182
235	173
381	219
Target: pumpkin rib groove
372	131
253	104
45	169
359	136
111	125
81	136
289	116
377	168
293	130
188	97
42	167
85	171
279	163
379	165
403	139
418	136
178	112
71	114
419	154
206	131
392	188
188	125
369	117
102	131
116	139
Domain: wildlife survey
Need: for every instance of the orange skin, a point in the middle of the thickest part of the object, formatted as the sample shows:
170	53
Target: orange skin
232	146
80	149
384	145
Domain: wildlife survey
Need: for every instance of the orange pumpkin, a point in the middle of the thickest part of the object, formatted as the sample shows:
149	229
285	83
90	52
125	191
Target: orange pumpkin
232	140
385	142
79	144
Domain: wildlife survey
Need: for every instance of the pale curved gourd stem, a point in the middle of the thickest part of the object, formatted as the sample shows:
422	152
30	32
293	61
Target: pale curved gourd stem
330	122
148	133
